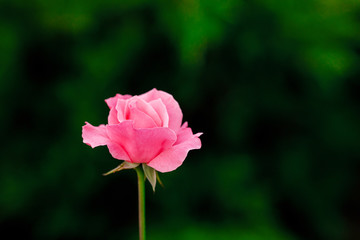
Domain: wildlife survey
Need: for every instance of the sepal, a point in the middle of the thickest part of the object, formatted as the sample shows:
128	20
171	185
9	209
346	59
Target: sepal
150	174
159	180
122	166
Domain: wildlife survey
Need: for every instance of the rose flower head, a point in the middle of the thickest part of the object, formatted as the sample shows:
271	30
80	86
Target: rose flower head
144	129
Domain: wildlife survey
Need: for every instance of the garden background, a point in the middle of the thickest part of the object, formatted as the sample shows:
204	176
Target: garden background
274	86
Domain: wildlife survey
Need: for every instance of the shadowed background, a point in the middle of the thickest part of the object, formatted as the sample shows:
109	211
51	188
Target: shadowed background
274	86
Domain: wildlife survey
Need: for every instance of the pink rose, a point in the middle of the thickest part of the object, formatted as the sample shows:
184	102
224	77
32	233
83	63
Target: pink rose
144	129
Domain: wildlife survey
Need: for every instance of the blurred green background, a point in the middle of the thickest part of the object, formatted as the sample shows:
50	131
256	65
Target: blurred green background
274	86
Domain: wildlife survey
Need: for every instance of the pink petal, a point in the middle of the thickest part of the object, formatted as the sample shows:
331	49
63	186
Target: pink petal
185	124
111	102
160	109
117	151
172	158
114	113
148	110
121	108
172	106
112	118
142	145
141	119
184	134
94	136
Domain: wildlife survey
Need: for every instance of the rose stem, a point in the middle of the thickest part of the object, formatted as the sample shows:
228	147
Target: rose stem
141	188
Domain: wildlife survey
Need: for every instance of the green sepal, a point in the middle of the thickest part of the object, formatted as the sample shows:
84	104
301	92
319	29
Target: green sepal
122	166
150	174
159	180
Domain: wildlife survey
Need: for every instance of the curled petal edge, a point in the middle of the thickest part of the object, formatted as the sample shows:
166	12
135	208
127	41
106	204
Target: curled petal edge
173	158
94	136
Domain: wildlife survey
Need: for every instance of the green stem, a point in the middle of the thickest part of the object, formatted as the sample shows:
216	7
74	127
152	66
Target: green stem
141	188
